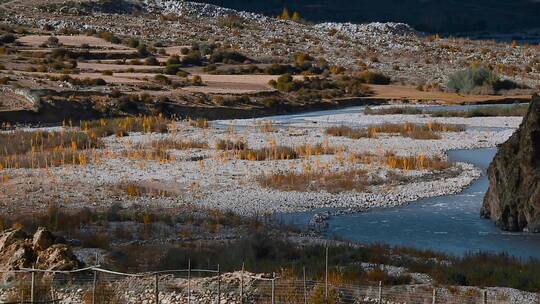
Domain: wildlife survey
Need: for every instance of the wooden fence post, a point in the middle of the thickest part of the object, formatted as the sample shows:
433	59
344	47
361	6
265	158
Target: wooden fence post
218	285
189	282
380	293
156	288
326	275
434	299
32	287
242	284
305	288
94	286
273	288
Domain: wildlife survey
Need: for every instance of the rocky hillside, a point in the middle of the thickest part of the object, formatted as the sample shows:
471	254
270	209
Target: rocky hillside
433	16
394	49
513	197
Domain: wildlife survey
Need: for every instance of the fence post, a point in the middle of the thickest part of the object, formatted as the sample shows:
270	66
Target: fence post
189	282
242	285
305	289
94	288
484	296
218	285
32	286
326	275
380	292
156	288
434	300
273	288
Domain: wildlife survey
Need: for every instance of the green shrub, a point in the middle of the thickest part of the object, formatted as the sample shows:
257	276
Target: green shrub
371	77
227	56
172	69
465	81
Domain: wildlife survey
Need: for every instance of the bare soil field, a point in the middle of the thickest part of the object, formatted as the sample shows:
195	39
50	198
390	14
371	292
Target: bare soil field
76	41
115	67
410	93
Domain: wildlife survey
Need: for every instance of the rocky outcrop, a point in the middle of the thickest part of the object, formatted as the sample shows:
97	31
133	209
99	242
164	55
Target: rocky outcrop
513	197
42	250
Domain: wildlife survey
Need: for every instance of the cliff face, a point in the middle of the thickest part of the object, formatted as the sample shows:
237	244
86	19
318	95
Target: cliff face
513	197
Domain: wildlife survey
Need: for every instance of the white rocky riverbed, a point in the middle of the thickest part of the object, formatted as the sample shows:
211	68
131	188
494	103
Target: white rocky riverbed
209	178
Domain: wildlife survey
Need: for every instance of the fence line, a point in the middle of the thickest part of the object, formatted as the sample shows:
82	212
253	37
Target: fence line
251	288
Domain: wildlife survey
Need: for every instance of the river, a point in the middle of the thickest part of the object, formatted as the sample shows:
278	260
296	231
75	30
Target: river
449	224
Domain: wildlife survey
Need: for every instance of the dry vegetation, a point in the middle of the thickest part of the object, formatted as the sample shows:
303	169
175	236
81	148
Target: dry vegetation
124	126
406	163
42	149
176	144
275	151
430	130
483	111
333	182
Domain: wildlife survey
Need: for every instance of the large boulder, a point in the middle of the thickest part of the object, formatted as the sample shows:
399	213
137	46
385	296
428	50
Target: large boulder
57	257
20	250
15	250
513	197
43	239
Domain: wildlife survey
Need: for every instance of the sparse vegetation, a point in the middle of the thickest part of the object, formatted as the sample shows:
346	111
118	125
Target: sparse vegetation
176	144
227	145
124	126
21	149
480	111
333	182
416	131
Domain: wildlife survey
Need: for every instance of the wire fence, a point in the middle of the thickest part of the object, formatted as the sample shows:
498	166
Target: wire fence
95	285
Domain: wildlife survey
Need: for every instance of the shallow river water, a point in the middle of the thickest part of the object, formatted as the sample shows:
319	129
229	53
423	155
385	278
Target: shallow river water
450	224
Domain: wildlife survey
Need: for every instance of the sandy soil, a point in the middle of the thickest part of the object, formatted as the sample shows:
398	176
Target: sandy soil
399	92
234	84
176	50
37	40
115	67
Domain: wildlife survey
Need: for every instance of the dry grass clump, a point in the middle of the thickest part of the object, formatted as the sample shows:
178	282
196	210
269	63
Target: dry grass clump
229	145
333	182
430	130
123	126
420	162
199	123
267	126
318	149
346	131
22	149
156	154
272	153
393	161
491	111
393	111
21	142
276	152
140	190
174	144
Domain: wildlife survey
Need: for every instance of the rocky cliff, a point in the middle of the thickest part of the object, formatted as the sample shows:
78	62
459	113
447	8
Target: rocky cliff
513	197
